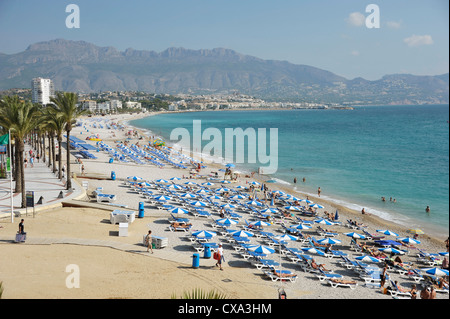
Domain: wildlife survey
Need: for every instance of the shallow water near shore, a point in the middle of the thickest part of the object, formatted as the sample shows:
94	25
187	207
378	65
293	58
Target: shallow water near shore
355	156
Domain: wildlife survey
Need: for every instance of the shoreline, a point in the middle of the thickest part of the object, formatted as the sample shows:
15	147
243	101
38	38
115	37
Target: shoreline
290	188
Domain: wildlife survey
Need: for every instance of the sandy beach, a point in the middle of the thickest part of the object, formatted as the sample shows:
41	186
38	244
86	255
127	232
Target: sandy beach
120	267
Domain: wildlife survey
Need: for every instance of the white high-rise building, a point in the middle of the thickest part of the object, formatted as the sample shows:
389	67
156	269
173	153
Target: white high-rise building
42	90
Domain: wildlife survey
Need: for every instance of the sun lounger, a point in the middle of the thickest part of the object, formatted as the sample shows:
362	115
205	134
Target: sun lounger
264	263
281	275
396	292
334	282
105	198
327	275
180	227
120	216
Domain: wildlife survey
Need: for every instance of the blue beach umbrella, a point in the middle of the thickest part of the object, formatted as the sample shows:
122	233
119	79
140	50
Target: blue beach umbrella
368	259
286	237
163	197
331	241
259	223
435	271
228	206
174	186
387	232
270	210
222	190
336	215
445	253
227	221
198	204
324	222
301	226
230	165
224	182
242	233
204	234
188	195
178	210
294	208
254	203
315	206
175	179
261	249
162	181
190	183
134	178
214	197
355	235
208	184
238	197
408	240
254	183
313	250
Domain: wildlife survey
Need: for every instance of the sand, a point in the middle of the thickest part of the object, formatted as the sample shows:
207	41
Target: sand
37	268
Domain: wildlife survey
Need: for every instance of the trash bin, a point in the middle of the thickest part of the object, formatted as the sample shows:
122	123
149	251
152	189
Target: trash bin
111	160
207	252
195	261
141	210
113	176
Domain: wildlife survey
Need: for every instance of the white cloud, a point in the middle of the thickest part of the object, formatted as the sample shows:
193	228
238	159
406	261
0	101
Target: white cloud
394	24
356	19
417	40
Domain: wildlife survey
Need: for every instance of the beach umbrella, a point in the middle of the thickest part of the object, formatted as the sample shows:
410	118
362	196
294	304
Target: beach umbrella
324	222
214	197
286	237
259	223
222	190
228	206
174	186
224	182
230	165
331	241
204	234
408	240
163	181
270	210
355	235
261	249
435	271
391	250
254	203
175	179
301	226
387	232
278	192
134	178
178	210
444	253
227	221
307	201
313	250
368	259
292	208
144	184
202	191
198	204
336	215
254	183
163	197
208	184
240	187
415	231
315	206
190	183
238	197
241	233
188	195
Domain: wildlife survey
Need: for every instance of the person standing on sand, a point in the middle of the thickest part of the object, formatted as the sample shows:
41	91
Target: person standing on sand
220	257
148	241
319	191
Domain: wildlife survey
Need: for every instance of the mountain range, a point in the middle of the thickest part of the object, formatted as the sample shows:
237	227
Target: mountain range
79	66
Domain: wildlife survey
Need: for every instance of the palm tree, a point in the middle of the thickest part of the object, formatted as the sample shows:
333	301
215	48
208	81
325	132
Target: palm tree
66	105
21	117
55	124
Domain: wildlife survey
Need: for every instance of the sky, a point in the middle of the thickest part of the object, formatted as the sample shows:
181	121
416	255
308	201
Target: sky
412	37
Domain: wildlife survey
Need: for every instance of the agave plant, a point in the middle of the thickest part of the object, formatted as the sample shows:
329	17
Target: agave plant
198	293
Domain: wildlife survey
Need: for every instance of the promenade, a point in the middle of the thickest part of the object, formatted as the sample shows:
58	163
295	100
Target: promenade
42	182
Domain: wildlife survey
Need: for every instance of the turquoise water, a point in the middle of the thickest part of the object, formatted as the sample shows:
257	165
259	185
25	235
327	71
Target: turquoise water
354	156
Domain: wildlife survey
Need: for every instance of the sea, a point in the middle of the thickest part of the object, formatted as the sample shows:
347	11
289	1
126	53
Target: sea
356	156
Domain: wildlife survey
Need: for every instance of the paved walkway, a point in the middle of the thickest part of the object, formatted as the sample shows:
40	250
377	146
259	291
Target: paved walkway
42	182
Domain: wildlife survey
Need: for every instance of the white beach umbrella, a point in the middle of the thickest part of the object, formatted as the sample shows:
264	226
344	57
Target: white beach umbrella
435	271
162	181
355	235
228	206
368	259
175	179
331	241
315	206
208	184
391	250
313	250
238	197
227	221
387	232
324	222
198	204
188	195
261	249
178	210
286	237
241	233
293	208
408	240
134	178
163	197
301	226
259	223
204	234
